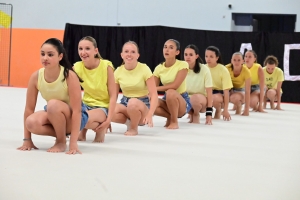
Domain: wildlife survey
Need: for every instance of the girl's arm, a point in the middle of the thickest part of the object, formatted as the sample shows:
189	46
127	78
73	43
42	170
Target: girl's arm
74	90
226	115
31	98
209	105
247	96
113	92
261	77
181	75
278	93
151	85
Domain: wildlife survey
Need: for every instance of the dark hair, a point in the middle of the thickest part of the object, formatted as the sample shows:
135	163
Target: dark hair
199	61
64	62
92	40
130	42
217	52
177	48
271	60
255	55
236	53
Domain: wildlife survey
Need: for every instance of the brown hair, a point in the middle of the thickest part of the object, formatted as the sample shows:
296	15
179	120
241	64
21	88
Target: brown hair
130	42
271	60
92	40
255	55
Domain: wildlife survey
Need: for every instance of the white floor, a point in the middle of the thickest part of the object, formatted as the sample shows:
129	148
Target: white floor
255	157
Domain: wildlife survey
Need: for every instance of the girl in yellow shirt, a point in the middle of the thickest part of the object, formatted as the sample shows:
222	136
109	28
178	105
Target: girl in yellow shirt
172	74
221	82
137	84
241	81
99	88
274	78
257	81
60	87
199	85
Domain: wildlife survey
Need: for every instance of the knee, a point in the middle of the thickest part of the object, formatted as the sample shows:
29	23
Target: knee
171	94
53	106
133	104
271	94
31	124
235	99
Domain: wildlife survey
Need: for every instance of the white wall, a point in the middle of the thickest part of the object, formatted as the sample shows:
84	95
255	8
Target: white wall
195	14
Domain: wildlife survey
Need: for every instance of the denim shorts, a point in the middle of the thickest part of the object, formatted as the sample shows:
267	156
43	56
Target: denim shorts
145	100
105	110
218	92
233	90
84	116
186	97
255	88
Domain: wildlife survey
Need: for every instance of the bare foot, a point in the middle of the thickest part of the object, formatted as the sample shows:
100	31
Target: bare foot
196	119
99	137
82	135
189	116
173	126
217	114
131	132
238	110
167	123
58	147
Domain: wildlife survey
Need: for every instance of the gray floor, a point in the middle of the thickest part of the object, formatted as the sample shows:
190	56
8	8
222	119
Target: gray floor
256	157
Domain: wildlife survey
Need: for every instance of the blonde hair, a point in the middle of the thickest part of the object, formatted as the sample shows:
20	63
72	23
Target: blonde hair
93	41
130	42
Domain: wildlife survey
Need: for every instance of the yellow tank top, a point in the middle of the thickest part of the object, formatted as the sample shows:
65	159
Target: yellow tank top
94	83
254	73
55	90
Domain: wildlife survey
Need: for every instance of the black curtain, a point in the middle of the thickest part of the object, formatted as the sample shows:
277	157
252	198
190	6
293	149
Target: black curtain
151	39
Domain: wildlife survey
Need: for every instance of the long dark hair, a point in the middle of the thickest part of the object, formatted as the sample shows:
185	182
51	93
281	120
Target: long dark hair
57	44
199	60
217	52
177	44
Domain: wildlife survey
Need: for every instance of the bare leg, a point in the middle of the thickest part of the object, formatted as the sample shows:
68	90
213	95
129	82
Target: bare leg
237	99
162	110
254	99
121	116
59	115
82	135
176	107
199	103
137	111
96	117
217	104
271	94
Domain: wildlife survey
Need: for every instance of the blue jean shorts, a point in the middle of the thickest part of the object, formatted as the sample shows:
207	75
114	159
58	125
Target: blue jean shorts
255	88
105	110
186	97
233	90
84	115
124	101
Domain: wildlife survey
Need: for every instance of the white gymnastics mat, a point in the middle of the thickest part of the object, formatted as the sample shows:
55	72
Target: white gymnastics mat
255	157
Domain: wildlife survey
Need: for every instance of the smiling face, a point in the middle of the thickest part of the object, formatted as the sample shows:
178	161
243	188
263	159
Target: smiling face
87	51
190	57
211	58
237	60
170	50
130	53
49	56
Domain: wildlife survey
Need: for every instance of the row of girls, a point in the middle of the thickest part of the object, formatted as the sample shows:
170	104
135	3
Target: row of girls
190	87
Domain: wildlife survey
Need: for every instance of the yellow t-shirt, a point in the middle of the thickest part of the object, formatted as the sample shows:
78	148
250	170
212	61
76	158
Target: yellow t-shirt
58	89
254	73
239	81
94	83
133	82
196	83
167	75
220	77
274	78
